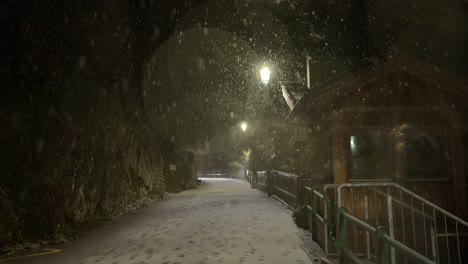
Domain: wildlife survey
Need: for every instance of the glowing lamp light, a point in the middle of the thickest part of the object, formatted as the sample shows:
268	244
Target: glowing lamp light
265	75
244	127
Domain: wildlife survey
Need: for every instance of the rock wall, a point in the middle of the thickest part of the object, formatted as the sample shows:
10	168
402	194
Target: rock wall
76	146
77	167
179	171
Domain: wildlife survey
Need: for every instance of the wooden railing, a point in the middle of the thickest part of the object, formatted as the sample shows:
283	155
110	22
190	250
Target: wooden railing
286	187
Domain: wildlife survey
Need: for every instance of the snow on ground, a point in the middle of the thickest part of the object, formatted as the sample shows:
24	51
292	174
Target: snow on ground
222	221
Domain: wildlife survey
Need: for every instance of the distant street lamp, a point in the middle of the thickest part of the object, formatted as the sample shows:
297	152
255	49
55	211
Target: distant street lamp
243	127
265	75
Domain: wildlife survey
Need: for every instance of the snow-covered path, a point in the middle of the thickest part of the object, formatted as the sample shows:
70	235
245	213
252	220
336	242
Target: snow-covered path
222	221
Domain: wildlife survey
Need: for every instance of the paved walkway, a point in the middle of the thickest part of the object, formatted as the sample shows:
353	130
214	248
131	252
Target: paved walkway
222	221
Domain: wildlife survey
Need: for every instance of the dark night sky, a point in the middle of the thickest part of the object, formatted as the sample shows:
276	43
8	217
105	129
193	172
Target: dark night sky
205	55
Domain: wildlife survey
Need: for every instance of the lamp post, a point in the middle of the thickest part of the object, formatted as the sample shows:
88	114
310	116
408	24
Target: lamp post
245	149
308	58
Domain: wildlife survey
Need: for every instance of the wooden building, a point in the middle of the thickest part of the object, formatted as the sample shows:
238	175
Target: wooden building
403	121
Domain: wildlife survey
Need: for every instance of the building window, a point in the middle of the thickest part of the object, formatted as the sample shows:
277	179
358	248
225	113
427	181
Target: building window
371	155
427	154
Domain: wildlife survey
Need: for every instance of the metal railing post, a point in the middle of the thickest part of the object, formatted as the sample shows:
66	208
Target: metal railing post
305	200
342	224
308	212
313	212
305	205
391	226
383	248
268	179
366	219
327	224
314	204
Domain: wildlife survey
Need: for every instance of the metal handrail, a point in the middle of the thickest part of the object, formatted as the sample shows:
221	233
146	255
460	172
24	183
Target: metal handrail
403	204
383	249
213	173
312	201
352	256
285	192
359	222
285	174
318	194
399	187
406	250
442	244
439	220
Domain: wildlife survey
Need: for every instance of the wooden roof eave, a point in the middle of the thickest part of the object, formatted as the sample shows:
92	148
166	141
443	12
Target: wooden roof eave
357	79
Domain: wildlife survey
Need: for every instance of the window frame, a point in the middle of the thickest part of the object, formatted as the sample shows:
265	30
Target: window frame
370	129
429	129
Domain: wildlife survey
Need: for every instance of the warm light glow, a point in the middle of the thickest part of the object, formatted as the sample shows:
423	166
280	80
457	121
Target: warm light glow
244	127
265	75
247	153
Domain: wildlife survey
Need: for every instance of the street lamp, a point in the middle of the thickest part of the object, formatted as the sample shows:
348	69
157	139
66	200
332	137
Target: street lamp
265	75
243	127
